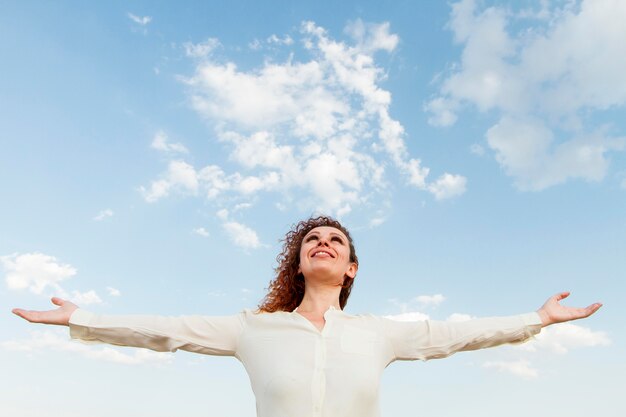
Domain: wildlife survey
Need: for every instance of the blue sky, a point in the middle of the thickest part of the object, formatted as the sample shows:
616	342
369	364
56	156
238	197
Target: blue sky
153	155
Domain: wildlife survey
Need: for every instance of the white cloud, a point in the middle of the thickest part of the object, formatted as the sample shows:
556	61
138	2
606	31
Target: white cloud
562	337
140	20
222	214
242	235
103	215
477	149
38	272
180	176
372	37
409	316
285	40
430	300
201	231
377	221
81	298
35	272
457	317
160	142
113	292
448	186
545	75
202	49
519	368
44	341
314	131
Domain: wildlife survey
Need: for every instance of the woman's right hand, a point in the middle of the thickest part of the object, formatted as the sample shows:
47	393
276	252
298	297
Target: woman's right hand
60	316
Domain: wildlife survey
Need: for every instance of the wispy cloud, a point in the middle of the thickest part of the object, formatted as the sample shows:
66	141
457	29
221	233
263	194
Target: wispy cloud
160	142
202	49
430	300
545	79
140	20
519	368
113	292
44	341
103	214
201	231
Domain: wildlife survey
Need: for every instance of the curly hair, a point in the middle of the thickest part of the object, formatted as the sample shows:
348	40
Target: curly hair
286	290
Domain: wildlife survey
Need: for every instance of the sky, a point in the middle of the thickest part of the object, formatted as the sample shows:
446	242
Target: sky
153	155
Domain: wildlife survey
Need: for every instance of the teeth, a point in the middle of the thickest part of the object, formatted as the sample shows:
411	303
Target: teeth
317	253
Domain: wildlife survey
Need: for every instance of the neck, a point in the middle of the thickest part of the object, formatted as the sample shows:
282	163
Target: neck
318	298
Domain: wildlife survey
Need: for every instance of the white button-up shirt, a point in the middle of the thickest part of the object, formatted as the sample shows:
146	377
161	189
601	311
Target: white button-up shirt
296	370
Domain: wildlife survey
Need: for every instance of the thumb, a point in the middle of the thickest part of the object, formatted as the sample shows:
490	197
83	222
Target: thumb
57	301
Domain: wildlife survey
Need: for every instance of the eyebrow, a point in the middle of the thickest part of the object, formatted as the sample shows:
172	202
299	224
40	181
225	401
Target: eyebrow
317	233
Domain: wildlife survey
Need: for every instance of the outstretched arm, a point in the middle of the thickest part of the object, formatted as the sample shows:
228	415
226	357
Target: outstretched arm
59	316
211	335
432	339
552	312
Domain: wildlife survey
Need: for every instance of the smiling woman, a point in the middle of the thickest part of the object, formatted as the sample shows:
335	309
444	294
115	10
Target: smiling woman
304	355
287	290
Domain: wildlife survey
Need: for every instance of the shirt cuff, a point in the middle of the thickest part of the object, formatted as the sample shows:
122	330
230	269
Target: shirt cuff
79	324
533	321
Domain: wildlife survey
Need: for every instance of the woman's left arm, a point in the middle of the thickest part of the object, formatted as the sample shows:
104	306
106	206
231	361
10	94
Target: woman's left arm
552	312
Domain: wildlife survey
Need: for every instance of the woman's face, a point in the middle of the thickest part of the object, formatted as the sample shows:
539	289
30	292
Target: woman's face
325	254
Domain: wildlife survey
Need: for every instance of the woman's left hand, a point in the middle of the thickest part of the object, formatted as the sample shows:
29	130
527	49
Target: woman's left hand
552	312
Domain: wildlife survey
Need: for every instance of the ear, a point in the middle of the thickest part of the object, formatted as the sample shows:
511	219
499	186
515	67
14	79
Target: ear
352	269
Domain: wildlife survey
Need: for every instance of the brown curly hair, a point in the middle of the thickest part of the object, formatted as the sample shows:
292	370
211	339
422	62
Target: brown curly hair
286	290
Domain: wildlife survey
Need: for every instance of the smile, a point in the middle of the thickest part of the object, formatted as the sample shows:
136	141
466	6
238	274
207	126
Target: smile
322	253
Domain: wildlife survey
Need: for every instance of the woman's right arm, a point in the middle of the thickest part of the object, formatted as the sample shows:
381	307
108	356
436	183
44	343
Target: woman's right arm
217	335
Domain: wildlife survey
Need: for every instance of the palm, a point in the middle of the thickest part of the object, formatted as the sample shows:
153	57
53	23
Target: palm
59	316
553	312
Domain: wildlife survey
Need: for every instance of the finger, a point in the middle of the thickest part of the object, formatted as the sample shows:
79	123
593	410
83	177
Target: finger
25	314
562	295
57	301
592	309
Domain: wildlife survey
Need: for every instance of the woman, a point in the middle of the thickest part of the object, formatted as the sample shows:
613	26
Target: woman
304	355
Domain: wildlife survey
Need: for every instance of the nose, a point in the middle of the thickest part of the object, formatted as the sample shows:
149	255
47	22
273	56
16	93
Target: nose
322	242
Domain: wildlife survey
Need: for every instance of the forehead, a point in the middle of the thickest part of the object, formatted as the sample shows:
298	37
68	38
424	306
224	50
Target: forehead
326	230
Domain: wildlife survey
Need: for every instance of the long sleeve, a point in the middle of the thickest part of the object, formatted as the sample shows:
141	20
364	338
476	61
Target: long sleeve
438	339
201	334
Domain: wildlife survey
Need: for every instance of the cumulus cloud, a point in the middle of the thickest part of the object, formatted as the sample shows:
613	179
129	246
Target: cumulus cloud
519	368
316	131
241	235
544	74
160	142
180	176
560	338
43	341
35	272
103	215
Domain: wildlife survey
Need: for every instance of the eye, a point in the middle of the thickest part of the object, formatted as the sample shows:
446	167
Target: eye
337	239
310	238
